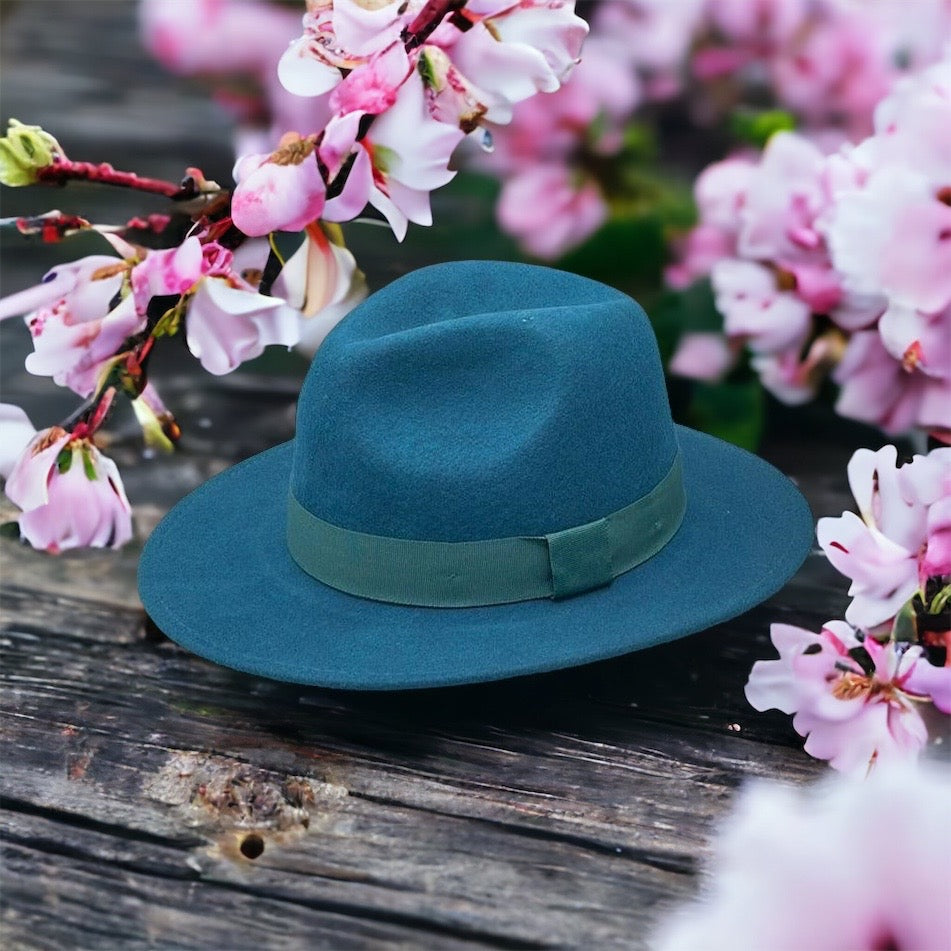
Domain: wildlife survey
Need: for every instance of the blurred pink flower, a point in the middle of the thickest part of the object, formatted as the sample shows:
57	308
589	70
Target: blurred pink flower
835	70
542	153
792	377
875	388
890	237
589	111
236	46
549	210
841	865
703	356
720	194
16	431
764	23
71	496
754	307
656	34
921	341
283	191
882	552
783	198
697	252
855	715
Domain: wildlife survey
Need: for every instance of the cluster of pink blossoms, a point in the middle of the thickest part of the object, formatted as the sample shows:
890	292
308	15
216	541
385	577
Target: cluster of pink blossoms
835	866
837	264
826	62
384	91
856	687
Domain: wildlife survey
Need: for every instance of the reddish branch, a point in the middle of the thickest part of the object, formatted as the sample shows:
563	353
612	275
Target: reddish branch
65	170
428	19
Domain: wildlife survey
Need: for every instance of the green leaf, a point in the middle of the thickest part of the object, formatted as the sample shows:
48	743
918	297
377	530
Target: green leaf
758	126
628	252
731	410
88	466
10	530
64	460
674	313
905	627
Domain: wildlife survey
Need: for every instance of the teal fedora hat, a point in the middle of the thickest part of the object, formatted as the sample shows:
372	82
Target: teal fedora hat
485	482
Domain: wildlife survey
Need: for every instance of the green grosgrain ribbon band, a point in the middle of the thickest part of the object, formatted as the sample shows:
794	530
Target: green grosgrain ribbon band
492	571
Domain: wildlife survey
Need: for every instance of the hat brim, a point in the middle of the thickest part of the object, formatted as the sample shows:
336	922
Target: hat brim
216	577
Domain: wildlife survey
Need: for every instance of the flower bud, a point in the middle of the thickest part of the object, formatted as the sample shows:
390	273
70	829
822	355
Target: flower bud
24	150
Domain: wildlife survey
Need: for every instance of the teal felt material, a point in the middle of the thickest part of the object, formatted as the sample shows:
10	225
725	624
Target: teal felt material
467	401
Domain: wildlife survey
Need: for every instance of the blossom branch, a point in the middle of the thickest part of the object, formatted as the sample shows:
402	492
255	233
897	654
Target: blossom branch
63	170
428	21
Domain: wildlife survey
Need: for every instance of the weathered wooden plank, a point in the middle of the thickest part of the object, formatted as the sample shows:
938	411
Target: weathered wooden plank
587	794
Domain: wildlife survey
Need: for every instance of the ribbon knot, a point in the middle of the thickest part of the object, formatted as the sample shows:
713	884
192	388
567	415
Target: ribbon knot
580	558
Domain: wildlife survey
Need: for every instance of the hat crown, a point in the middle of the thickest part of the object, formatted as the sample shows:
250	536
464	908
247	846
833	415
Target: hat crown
479	400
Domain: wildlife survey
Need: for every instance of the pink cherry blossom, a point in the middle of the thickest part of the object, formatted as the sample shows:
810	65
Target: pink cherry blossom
720	193
226	325
283	191
911	125
548	201
588	112
82	288
321	280
835	70
373	87
311	65
403	157
529	47
919	340
16	431
697	252
211	36
882	550
549	211
854	716
784	197
835	866
367	28
169	271
70	494
75	354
